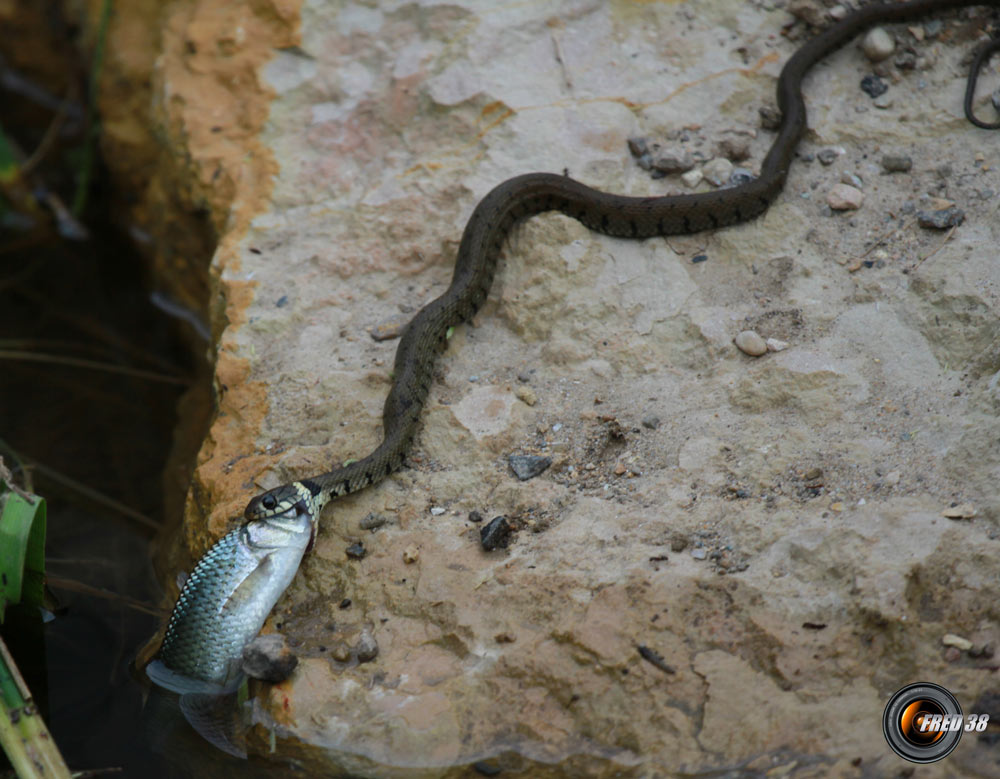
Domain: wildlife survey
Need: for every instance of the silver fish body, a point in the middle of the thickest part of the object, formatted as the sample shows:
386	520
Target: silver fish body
226	599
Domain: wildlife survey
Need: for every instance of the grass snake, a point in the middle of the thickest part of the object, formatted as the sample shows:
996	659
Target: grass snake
425	337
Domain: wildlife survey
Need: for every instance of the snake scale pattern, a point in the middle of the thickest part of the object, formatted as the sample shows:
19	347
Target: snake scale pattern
425	337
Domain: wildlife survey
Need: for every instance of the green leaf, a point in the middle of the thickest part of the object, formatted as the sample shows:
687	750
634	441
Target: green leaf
22	550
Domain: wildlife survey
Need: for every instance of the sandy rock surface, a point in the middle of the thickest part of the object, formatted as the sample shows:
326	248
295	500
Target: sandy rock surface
740	586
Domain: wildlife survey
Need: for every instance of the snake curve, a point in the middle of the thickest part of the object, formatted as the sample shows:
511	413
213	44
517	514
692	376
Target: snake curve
425	337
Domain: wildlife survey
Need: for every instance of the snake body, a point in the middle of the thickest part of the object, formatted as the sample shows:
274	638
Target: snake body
425	337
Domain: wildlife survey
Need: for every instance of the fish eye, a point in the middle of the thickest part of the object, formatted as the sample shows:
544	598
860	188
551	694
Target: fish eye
269	501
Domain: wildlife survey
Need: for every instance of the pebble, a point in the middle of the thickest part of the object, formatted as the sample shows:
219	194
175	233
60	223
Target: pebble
952	654
892	478
750	343
698	554
678	543
437	511
496	534
341	652
828	156
740	176
524	377
638	146
962	644
411	554
776	345
526	395
963	511
390	329
671	161
367	647
837	506
528	466
878	44
356	550
734	149
269	658
896	163
475	516
699	258
851	180
844	197
652	422
941	219
873	86
692	178
717	171
770	117
373	521
883	102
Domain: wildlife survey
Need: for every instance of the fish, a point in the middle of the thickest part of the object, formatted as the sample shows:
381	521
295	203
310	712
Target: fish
226	599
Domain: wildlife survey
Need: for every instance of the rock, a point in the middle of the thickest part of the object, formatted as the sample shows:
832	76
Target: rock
963	511
638	146
475	516
809	11
828	156
672	160
851	180
734	149
699	553
526	395
356	550
892	478
776	345
269	658
941	219
528	466
411	554
373	521
896	163
390	329
770	117
678	543
873	86
437	511
750	343
962	644
878	44
692	178
717	171
496	535
843	197
651	422
366	649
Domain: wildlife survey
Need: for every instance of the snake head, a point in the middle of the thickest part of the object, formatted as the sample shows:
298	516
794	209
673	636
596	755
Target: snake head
297	495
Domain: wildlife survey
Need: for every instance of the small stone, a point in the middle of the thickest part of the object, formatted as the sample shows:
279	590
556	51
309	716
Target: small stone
776	345
356	550
505	638
699	258
896	163
341	652
843	197
345	603
651	422
366	648
952	654
717	171
692	178
837	506
620	469
527	466
411	554
750	343
828	156
524	377
496	534
734	149
892	478
812	474
907	60
373	521
883	102
526	395
851	179
475	516
740	176
389	329
810	12
483	768
269	658
770	117
678	543
963	511
962	644
873	86
698	554
638	146
671	161
437	511
878	44
941	219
